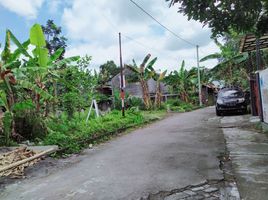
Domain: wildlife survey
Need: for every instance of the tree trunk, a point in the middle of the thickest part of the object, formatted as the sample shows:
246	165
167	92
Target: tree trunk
37	103
231	73
158	95
54	104
145	94
184	96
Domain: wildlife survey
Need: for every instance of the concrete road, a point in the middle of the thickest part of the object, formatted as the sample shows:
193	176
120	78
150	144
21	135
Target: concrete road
178	151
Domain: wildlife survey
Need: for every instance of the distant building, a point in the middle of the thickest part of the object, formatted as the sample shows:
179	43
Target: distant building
208	92
134	88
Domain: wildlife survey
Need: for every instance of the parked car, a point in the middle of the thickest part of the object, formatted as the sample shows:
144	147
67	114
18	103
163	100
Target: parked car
231	100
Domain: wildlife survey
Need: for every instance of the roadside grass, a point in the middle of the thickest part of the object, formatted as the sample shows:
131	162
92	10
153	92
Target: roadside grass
73	135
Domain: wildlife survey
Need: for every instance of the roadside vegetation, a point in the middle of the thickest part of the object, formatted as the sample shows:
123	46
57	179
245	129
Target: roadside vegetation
72	135
45	96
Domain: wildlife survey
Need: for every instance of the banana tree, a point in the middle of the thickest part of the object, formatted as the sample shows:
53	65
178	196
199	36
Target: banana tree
230	61
229	68
9	62
181	81
29	73
144	72
42	68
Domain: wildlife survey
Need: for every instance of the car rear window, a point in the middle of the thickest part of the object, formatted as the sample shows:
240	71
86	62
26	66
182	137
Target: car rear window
231	94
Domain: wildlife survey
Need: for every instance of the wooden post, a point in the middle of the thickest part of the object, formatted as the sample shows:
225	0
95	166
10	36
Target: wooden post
122	92
93	103
199	79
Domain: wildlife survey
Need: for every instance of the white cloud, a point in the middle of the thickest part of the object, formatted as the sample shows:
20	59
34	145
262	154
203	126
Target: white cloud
25	8
54	5
93	29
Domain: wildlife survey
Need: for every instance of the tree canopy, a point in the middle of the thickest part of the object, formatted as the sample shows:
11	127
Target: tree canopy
225	15
54	39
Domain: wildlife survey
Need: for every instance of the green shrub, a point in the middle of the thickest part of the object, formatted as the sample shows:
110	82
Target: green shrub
30	125
7	126
73	134
135	102
177	105
174	102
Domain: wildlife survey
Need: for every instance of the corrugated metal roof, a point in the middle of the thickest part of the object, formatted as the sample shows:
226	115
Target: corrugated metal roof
248	42
134	89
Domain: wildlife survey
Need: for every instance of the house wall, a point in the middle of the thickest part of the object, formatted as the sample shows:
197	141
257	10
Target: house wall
134	89
263	83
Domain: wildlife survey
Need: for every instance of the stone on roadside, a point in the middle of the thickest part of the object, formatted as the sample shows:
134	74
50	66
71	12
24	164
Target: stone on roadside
177	196
191	193
197	189
211	189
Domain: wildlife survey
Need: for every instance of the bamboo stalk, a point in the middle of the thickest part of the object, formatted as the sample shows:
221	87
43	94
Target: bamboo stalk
26	160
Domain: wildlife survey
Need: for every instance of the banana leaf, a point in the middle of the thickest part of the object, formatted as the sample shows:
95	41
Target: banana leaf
24	105
133	69
55	56
21	47
3	99
211	56
151	63
66	61
30	86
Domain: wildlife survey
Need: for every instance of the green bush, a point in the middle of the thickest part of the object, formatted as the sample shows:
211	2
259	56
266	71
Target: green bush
174	102
30	125
177	105
72	135
135	102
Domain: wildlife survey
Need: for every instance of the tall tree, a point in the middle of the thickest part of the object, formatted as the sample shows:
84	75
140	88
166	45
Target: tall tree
107	71
225	15
110	67
54	39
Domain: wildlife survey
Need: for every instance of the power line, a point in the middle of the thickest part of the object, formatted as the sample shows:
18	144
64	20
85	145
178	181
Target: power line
173	33
115	28
146	46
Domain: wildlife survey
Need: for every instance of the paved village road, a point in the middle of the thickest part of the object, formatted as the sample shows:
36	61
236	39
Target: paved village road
178	151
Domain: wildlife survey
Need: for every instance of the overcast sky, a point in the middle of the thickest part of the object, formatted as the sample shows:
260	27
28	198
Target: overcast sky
92	27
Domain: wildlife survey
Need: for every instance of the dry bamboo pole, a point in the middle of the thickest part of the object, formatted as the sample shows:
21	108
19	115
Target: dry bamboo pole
13	165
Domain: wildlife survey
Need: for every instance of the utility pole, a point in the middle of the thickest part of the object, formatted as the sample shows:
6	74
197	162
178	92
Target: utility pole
122	93
199	79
